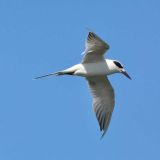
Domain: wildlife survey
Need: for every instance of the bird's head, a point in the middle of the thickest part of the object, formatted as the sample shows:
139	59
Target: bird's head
120	69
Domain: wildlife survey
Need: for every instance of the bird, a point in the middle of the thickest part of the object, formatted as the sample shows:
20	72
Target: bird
96	69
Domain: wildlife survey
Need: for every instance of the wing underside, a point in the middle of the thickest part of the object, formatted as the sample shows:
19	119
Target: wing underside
103	100
94	49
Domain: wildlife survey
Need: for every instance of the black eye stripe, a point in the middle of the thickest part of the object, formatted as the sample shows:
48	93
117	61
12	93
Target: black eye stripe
118	64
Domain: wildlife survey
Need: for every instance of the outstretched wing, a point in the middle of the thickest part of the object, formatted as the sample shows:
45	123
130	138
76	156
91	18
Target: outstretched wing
94	49
103	100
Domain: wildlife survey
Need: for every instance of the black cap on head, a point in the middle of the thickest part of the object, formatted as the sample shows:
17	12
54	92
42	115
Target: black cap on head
118	64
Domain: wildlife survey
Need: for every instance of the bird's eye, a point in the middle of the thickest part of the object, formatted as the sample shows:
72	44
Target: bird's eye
118	64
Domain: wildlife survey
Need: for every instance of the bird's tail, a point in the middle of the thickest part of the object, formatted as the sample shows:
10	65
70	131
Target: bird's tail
59	73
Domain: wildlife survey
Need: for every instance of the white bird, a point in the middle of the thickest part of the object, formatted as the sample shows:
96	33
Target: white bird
95	68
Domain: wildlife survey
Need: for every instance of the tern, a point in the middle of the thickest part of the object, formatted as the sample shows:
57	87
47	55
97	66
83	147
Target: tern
95	68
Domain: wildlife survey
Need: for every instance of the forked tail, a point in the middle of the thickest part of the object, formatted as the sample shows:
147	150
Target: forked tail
55	74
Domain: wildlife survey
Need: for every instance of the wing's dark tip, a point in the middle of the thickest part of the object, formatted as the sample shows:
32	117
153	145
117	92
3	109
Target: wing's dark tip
91	35
103	120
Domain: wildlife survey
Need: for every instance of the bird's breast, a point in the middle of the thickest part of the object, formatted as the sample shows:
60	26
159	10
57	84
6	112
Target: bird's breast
93	69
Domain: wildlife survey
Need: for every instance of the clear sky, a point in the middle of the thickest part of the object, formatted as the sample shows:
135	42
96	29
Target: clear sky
52	119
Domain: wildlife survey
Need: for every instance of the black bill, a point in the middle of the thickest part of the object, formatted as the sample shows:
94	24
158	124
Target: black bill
126	74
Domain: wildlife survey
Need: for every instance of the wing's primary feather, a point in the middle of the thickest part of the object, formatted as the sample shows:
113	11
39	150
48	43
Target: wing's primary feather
103	100
94	49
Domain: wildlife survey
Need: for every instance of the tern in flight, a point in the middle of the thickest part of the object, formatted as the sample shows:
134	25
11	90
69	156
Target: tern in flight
95	68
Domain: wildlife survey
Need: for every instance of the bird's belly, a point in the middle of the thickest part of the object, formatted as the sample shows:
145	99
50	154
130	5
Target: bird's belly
94	69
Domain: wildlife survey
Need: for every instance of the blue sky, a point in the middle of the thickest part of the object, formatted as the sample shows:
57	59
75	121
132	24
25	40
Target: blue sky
53	118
